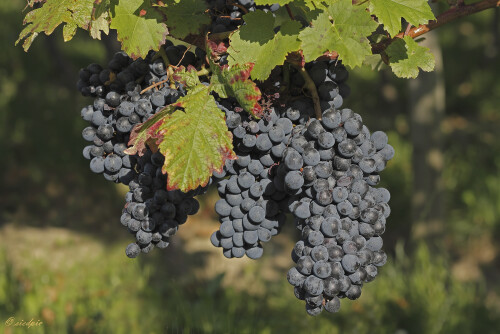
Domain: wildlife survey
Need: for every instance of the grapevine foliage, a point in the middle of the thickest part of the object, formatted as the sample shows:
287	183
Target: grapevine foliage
317	27
243	45
257	42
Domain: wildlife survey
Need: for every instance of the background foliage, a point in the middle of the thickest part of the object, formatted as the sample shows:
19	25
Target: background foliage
61	245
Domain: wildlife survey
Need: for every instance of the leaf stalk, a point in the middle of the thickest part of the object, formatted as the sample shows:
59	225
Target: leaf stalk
311	88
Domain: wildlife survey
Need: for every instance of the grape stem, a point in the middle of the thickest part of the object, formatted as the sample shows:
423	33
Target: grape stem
289	12
286	75
446	17
156	84
243	8
161	53
311	87
183	55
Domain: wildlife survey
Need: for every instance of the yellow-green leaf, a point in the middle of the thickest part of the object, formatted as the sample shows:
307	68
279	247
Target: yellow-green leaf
343	28
406	57
390	13
139	27
192	135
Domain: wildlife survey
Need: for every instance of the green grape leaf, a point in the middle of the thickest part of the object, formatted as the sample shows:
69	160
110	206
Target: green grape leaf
102	6
256	42
343	28
306	9
390	13
406	57
191	134
186	17
139	27
72	14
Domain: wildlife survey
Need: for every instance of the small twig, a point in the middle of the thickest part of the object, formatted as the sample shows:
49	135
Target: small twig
243	8
231	18
311	87
183	55
360	3
289	12
446	17
159	83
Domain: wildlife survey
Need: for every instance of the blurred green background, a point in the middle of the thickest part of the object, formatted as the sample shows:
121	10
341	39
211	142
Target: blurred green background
62	255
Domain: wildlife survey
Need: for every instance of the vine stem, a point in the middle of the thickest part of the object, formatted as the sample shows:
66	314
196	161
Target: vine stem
161	53
451	14
286	75
289	10
311	87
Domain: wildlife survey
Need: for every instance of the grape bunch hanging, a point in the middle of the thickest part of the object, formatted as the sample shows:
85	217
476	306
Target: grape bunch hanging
321	169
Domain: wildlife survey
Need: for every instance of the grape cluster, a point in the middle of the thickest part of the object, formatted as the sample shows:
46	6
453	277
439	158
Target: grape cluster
249	209
254	198
123	73
112	118
322	170
152	214
118	77
329	170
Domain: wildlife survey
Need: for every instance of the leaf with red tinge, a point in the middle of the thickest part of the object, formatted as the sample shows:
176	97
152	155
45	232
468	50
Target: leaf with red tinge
216	49
235	81
188	77
192	135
